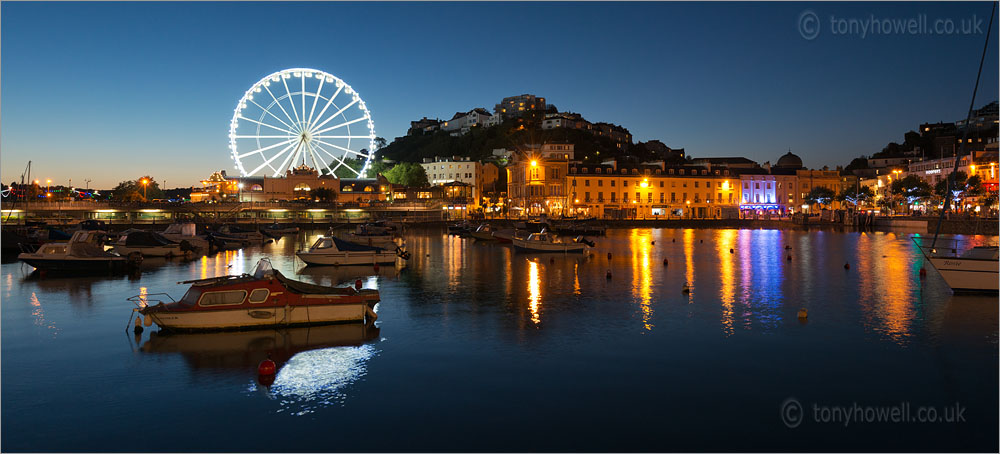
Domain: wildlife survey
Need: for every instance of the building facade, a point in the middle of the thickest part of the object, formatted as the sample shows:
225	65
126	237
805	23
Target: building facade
516	106
478	176
652	191
536	180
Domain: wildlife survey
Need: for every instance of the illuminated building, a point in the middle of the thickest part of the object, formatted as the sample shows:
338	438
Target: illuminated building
651	191
536	180
479	176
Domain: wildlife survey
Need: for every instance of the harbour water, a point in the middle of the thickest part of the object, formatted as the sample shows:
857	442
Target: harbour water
479	347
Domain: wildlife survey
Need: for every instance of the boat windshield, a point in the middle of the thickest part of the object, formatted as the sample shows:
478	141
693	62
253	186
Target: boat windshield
322	243
191	297
264	269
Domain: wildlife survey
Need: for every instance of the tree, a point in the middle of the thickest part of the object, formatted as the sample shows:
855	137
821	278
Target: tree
860	162
913	189
856	196
324	194
377	167
820	196
349	169
407	174
136	191
380	143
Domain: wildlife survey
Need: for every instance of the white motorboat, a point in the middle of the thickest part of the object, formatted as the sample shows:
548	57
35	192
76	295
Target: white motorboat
545	242
236	232
149	244
84	252
328	250
180	232
264	298
374	236
484	233
973	270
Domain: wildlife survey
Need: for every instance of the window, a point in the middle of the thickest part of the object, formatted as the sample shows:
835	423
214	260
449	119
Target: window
222	298
600	196
259	295
673	196
696	184
586	182
612	183
574	182
746	185
598	170
649	198
624	183
661	183
662	194
600	183
638	197
756	185
612	197
769	186
671	171
586	196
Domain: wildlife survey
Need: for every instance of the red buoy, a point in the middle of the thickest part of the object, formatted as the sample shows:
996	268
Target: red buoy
266	367
357	284
847	266
265	380
730	250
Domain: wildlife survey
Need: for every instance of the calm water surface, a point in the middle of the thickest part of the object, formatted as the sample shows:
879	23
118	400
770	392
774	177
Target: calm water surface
478	347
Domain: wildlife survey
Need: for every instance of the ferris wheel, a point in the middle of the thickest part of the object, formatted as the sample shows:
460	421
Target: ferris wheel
299	117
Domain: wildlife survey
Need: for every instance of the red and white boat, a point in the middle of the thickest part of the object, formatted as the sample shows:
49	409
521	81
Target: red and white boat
265	298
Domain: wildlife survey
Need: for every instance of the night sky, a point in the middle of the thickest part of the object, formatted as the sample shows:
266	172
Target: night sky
112	91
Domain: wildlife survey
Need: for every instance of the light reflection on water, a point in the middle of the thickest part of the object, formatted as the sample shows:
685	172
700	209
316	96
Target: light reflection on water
515	329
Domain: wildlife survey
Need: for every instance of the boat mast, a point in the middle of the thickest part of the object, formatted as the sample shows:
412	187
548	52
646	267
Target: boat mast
968	122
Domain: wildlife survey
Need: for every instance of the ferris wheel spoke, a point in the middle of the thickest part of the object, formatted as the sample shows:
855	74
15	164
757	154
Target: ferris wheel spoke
290	100
289	117
340	160
271	114
266	137
331	117
267	163
315	99
341	137
341	125
329	102
290	133
262	150
303	97
284	164
319	162
346	150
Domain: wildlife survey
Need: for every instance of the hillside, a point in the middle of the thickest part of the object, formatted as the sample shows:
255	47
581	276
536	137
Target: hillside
479	143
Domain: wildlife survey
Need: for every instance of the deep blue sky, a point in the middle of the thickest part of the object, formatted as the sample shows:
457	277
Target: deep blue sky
111	91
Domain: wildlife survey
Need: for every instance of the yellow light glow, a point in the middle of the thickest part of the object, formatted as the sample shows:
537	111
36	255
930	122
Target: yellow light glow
645	182
534	163
282	210
144	181
534	291
725	185
150	211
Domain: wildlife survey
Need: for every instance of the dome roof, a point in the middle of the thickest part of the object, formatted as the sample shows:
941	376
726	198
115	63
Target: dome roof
789	161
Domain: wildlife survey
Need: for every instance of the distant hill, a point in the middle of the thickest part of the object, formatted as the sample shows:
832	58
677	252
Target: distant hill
479	143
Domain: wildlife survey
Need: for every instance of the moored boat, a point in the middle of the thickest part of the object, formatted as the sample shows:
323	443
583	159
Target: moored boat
328	250
263	299
278	229
84	252
187	231
149	244
545	242
974	270
484	232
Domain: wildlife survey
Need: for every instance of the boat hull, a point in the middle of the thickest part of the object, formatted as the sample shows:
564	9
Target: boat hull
965	275
242	318
487	236
75	264
533	246
150	251
347	258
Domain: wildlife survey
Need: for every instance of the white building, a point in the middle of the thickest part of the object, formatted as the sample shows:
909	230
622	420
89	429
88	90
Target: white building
462	122
481	177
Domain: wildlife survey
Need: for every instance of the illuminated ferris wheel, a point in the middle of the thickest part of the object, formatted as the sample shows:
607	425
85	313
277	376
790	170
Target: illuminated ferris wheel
301	116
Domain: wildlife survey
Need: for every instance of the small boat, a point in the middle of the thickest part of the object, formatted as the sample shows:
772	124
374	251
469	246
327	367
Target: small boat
974	270
373	235
84	252
484	232
505	235
265	298
330	250
545	242
461	228
236	232
179	232
149	244
278	229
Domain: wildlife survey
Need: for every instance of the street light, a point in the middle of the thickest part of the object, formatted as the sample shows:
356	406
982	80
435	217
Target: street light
144	183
